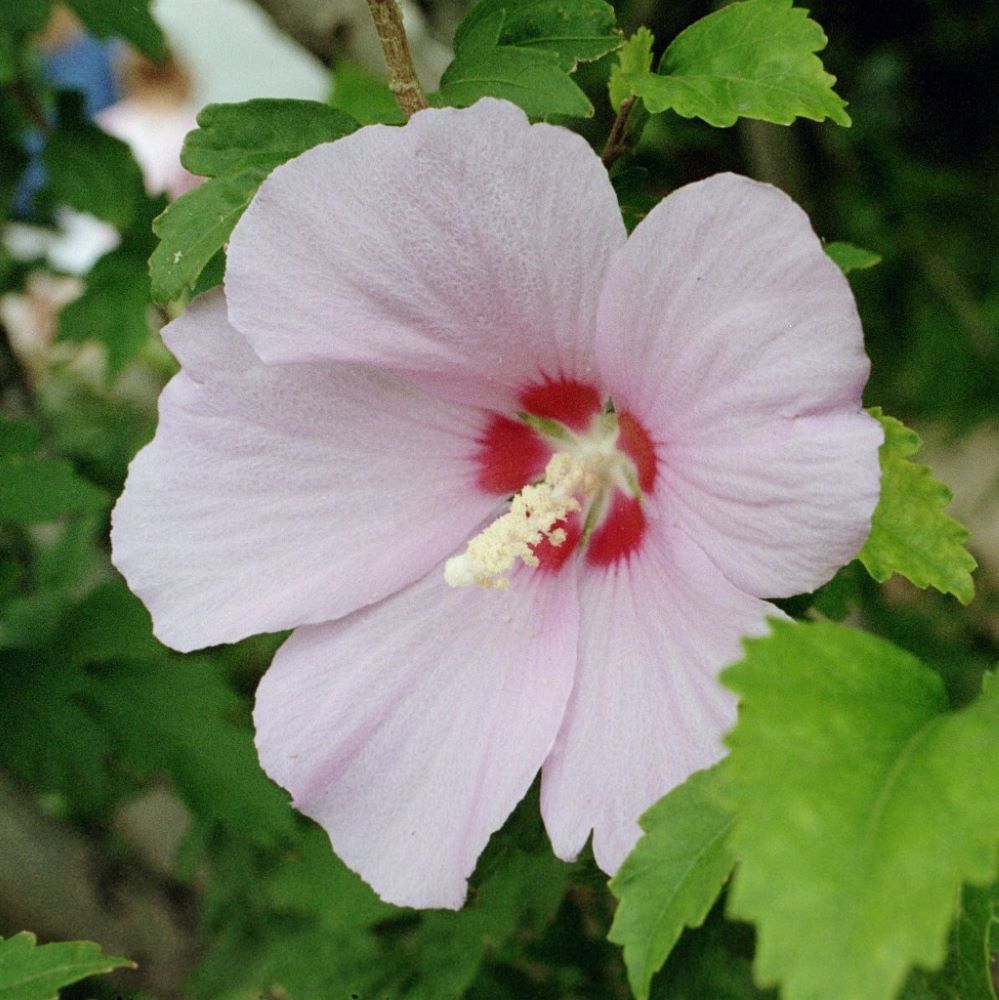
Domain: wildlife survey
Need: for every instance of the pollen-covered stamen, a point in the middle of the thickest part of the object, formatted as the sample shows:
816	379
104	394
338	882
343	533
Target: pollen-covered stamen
533	514
605	520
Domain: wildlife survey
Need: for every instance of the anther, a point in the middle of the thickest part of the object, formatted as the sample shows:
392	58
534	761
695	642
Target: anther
533	514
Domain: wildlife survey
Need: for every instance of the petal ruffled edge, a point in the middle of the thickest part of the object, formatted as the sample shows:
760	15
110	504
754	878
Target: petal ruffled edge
752	368
465	249
411	729
646	710
273	496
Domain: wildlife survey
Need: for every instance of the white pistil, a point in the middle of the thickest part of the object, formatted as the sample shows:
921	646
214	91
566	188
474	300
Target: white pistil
533	514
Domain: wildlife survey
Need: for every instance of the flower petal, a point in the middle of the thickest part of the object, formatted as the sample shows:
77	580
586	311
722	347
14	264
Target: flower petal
778	504
466	248
727	330
410	730
646	710
276	496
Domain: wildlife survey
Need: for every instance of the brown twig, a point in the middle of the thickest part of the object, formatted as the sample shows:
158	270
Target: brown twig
402	76
14	381
29	105
619	141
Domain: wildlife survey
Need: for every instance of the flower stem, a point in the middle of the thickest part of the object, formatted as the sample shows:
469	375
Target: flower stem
402	76
619	140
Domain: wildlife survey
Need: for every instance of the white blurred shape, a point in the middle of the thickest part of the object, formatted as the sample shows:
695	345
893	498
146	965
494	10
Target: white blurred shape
154	130
234	53
73	248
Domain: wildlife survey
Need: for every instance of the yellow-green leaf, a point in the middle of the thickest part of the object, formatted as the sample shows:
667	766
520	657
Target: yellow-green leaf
29	971
911	534
754	59
862	805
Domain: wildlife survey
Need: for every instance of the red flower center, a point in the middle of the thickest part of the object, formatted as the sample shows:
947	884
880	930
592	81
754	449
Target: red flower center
567	415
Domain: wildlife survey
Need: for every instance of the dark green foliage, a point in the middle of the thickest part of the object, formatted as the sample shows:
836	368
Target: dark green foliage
524	51
34	489
631	187
966	973
25	15
92	171
197	226
128	19
114	308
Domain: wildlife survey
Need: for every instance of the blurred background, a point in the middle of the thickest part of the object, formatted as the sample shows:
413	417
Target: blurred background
132	811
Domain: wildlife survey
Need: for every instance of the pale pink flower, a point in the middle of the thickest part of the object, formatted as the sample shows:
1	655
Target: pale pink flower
406	312
154	129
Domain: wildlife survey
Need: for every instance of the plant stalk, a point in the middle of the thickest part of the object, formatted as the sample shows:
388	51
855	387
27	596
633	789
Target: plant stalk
620	138
402	75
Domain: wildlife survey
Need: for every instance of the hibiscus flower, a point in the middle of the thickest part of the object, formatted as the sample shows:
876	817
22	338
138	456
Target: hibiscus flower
519	482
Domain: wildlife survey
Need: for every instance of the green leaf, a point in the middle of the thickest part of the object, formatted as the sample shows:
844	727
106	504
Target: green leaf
34	489
11	576
25	16
130	20
49	739
529	78
238	145
751	60
229	136
524	51
112	309
105	704
210	758
634	59
196	226
966	975
576	32
672	876
312	880
711	962
851	258
8	63
838	596
17	436
364	96
29	971
315	943
28	620
109	624
92	171
211	761
12	166
910	533
62	563
283	959
862	805
449	948
306	926
212	274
